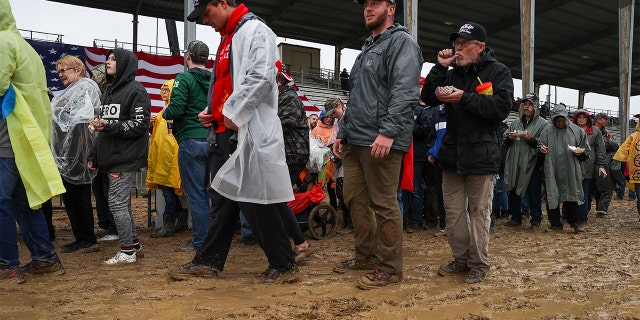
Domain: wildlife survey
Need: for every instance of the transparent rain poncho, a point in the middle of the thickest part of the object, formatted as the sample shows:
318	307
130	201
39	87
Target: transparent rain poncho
70	138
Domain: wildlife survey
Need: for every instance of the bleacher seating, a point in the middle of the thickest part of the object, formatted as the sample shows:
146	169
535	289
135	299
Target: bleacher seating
318	95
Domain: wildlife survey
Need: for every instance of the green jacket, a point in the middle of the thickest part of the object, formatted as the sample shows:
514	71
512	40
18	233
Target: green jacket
188	99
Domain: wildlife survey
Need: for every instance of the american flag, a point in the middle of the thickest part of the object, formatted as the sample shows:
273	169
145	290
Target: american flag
153	70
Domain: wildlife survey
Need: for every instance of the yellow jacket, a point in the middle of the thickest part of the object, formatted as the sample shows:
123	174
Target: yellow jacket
162	168
628	152
29	125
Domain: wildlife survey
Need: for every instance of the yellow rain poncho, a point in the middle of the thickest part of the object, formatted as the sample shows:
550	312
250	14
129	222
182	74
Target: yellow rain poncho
162	168
29	125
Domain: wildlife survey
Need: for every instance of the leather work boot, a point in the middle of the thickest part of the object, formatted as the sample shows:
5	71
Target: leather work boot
167	228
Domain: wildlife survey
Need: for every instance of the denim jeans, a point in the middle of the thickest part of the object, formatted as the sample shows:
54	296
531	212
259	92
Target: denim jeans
171	202
530	202
120	206
500	199
637	187
192	162
583	209
14	206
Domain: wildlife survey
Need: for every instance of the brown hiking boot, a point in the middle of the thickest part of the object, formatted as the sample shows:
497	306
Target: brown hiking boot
191	270
474	276
274	276
353	264
378	279
452	268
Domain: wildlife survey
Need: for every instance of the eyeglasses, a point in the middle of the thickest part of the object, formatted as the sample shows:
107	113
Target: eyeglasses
61	71
164	90
463	43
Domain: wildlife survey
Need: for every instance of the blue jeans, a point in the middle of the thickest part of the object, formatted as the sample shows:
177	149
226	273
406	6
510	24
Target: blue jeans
531	199
637	187
500	199
171	202
192	162
14	206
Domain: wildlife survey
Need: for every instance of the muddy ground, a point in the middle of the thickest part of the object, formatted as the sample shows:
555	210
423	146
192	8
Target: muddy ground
534	275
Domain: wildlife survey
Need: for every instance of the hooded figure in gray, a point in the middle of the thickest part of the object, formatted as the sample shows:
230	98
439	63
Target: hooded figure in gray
562	170
523	154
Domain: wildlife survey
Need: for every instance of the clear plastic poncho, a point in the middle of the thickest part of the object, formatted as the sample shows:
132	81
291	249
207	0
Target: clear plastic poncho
70	138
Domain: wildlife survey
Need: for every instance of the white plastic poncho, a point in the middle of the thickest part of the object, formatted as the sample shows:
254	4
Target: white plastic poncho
70	138
257	171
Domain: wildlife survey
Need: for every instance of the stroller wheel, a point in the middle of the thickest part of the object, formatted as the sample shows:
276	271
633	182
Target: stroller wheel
322	221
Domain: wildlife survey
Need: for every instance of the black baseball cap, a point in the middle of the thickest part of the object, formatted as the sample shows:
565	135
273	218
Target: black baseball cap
531	97
198	50
198	8
470	31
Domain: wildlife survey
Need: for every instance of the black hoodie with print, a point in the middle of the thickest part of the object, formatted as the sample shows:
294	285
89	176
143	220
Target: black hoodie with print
123	145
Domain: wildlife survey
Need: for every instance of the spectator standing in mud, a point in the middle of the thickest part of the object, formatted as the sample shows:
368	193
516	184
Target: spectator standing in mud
565	146
28	172
470	151
188	97
372	149
246	160
523	167
122	145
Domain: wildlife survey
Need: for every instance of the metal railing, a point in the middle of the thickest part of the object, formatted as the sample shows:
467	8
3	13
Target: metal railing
29	34
149	48
314	76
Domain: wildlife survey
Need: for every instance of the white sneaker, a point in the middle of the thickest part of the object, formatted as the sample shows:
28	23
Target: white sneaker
121	258
109	237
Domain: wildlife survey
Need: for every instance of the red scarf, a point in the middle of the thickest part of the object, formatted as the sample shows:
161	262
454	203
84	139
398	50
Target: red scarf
222	87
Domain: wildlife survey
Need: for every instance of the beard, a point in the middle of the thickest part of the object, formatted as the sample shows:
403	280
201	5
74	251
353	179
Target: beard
375	23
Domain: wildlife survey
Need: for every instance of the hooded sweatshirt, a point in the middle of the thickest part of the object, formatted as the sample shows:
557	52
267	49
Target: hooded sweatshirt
562	170
123	144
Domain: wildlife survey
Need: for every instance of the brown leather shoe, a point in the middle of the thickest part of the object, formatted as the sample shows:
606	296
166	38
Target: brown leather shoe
378	279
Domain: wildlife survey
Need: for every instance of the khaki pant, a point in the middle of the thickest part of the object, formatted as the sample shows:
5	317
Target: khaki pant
370	189
467	203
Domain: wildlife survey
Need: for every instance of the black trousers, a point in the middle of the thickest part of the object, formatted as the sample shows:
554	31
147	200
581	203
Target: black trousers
572	214
77	202
264	220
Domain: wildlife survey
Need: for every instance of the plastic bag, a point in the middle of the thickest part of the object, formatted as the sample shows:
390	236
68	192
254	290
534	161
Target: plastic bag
317	154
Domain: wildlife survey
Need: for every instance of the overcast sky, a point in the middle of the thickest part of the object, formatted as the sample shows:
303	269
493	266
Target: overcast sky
80	25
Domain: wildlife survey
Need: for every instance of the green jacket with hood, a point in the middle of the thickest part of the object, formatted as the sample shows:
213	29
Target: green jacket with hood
522	156
562	170
188	99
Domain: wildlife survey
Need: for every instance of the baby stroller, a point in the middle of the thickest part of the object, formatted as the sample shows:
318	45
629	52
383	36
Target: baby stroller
314	215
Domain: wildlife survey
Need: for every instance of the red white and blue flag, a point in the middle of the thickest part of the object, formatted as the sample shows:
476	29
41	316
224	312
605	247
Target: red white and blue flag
153	70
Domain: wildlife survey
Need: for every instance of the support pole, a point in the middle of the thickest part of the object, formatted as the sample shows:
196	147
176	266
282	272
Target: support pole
527	8
189	27
625	23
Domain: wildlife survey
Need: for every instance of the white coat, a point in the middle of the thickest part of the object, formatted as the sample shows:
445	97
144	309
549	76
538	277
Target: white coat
257	171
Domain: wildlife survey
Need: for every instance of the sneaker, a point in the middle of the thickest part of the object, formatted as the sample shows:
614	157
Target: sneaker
191	270
601	214
378	279
109	237
32	267
353	264
121	258
98	231
70	244
452	268
11	275
274	276
86	247
474	276
512	223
